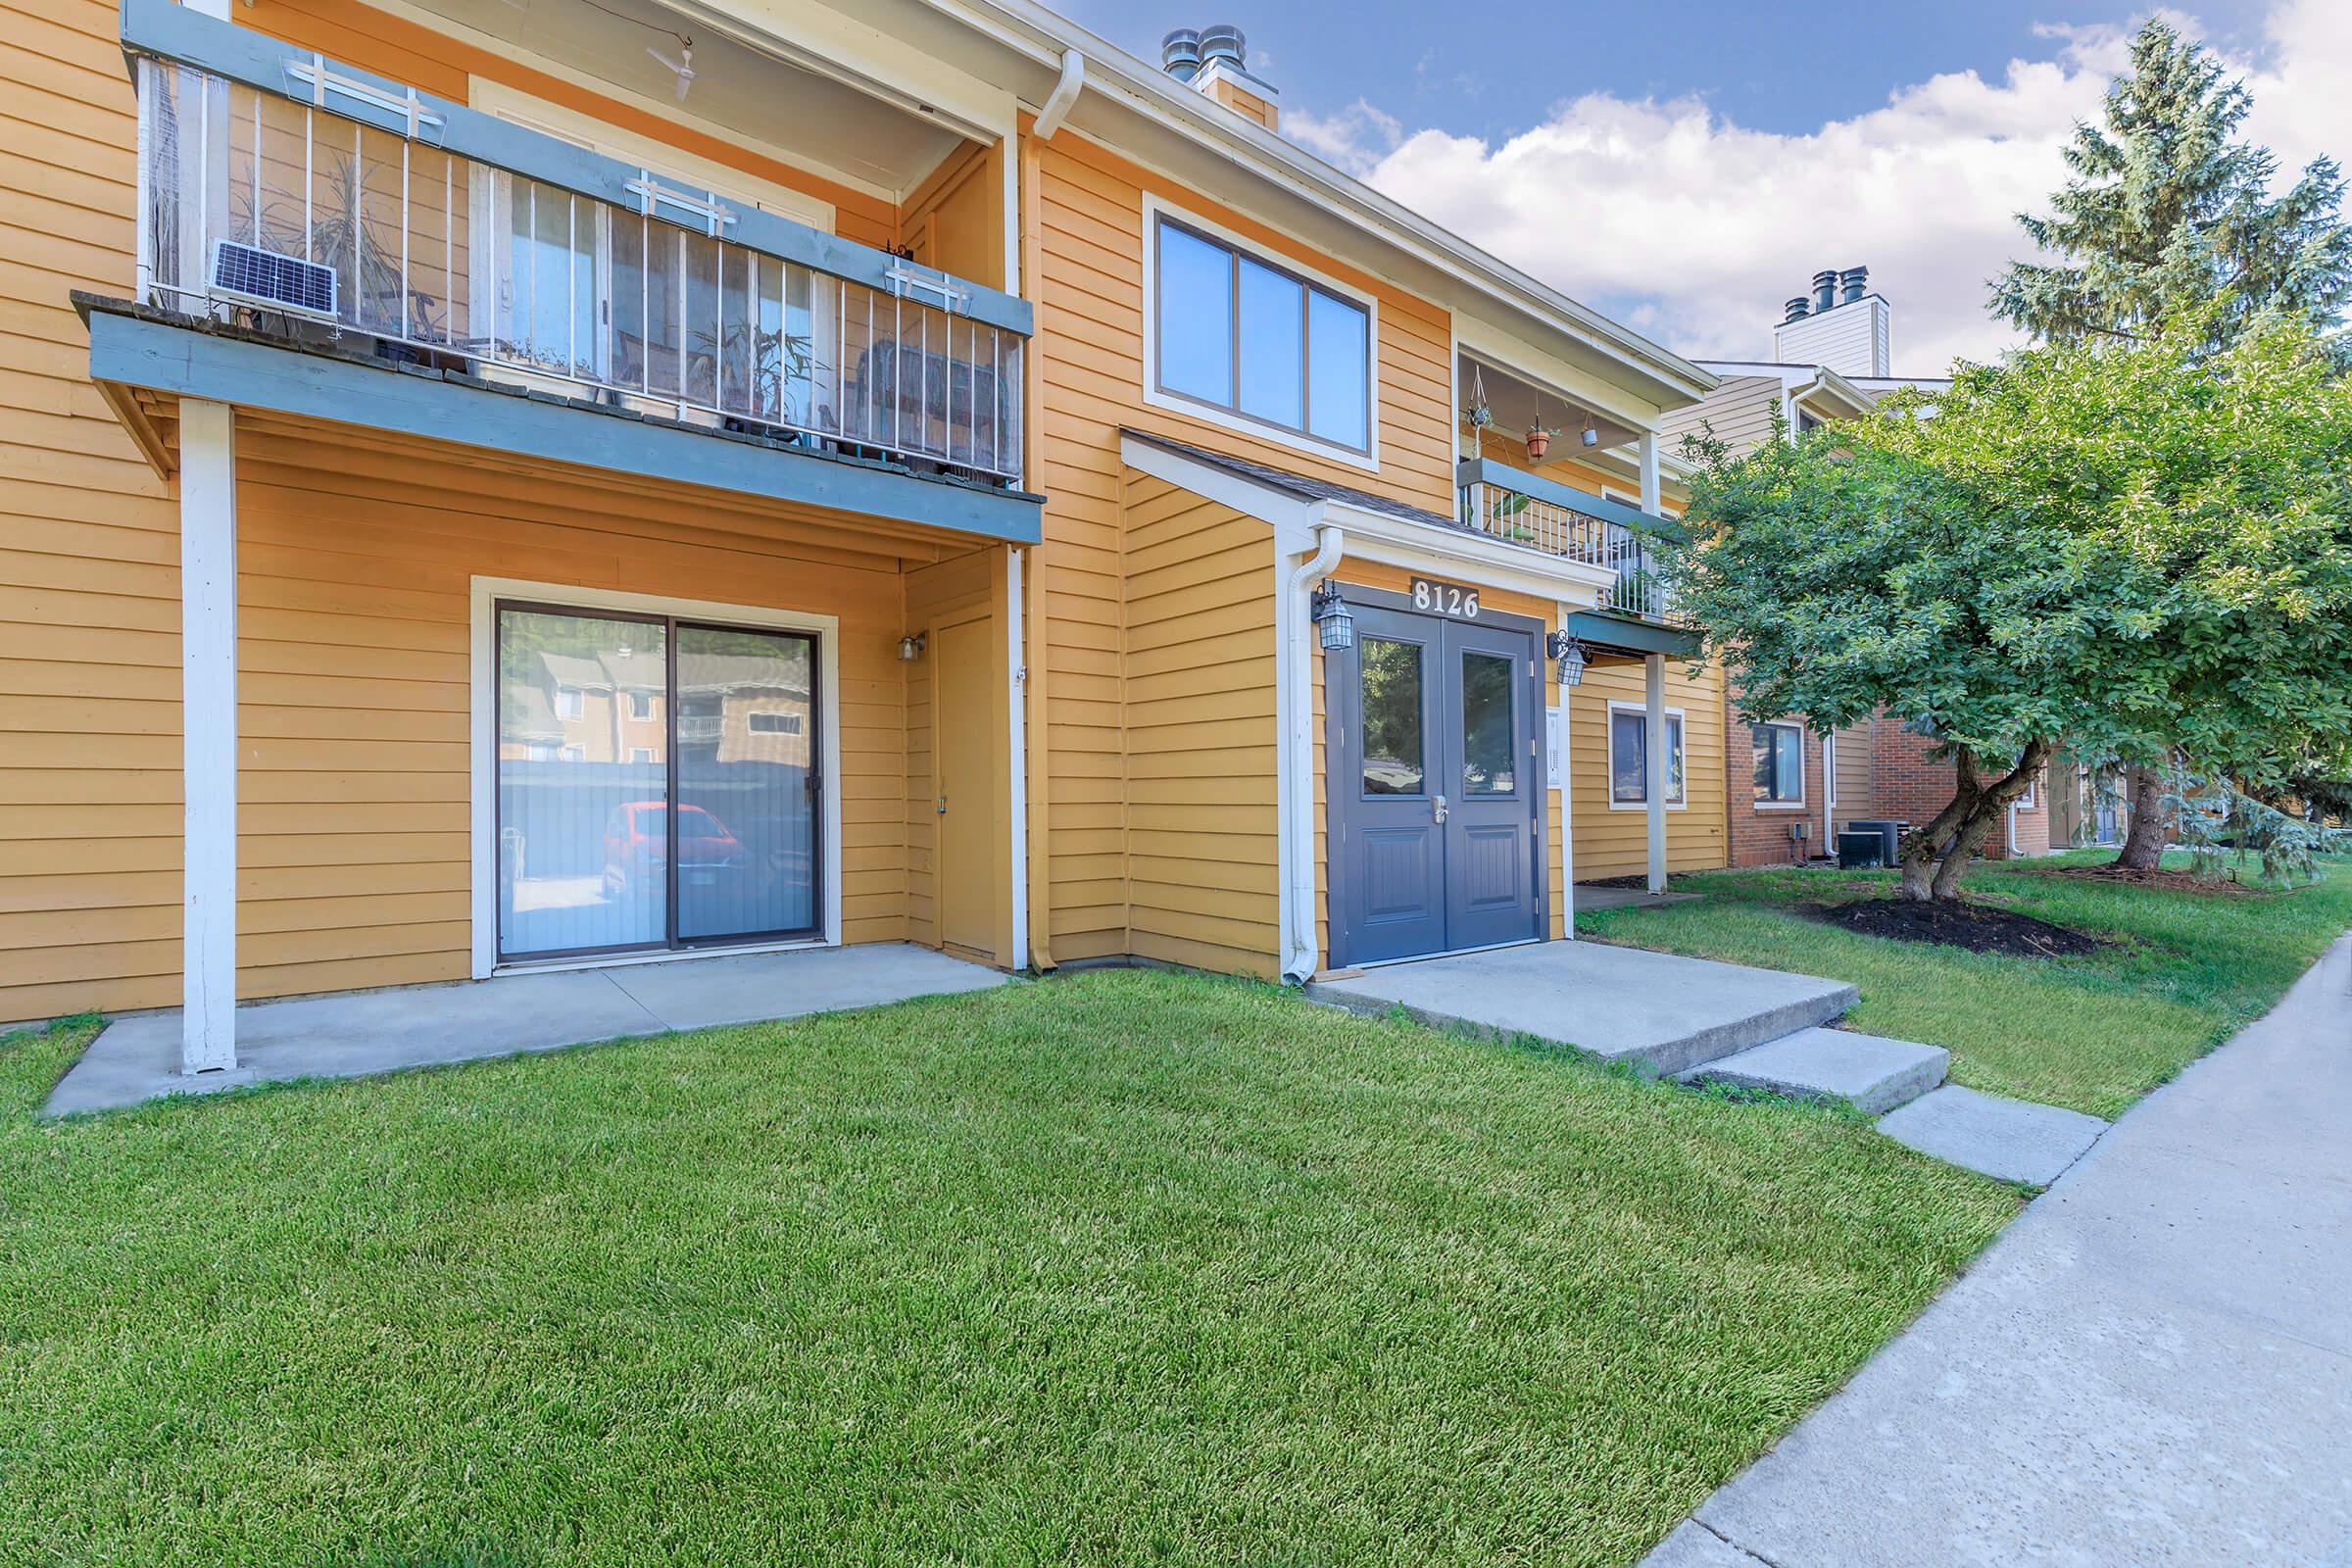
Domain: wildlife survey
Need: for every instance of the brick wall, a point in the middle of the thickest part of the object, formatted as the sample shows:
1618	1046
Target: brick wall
1758	833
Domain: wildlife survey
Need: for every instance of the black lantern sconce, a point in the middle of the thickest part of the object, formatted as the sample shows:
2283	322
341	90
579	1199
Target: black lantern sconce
1564	647
1335	623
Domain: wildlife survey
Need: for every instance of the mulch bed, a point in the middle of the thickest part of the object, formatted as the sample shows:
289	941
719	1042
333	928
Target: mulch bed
1975	927
2167	881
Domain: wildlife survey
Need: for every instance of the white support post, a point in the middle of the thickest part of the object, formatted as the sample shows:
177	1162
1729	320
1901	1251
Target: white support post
1567	701
1653	679
1652	494
208	651
1018	751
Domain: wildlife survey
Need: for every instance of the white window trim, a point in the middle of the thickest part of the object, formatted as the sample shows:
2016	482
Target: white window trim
1154	209
1641	710
634	698
1797	804
483	767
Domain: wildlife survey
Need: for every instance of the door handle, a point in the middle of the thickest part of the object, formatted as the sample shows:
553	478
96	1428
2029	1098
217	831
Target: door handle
1437	809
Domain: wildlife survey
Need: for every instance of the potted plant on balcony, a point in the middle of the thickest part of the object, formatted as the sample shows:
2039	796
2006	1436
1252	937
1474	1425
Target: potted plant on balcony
1539	435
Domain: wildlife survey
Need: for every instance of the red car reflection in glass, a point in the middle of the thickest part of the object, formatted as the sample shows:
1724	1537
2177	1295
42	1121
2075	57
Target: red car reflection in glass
637	846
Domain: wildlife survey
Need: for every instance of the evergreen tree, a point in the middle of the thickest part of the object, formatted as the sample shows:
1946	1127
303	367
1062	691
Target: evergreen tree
2166	211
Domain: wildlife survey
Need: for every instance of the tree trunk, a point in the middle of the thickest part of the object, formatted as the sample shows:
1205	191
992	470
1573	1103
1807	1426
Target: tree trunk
1935	857
2143	842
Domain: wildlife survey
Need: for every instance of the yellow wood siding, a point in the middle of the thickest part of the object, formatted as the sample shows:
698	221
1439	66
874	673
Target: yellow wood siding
355	561
1085	244
1616	843
1201	846
89	555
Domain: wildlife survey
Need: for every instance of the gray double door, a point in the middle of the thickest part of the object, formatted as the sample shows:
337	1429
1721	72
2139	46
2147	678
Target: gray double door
1435	800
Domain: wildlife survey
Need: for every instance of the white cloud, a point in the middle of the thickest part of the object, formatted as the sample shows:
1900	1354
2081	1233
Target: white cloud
1693	229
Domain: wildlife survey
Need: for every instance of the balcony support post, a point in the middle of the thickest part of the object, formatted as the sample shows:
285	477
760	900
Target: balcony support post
1653	691
207	643
1652	498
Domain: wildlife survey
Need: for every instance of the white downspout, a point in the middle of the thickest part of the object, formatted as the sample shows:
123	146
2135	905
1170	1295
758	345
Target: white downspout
1295	834
1056	107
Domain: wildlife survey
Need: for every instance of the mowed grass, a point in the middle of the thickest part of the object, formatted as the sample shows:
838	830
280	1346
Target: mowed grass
1124	1268
2185	971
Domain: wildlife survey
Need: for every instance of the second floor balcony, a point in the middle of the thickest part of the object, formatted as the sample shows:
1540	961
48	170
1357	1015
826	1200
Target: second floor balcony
1539	514
443	239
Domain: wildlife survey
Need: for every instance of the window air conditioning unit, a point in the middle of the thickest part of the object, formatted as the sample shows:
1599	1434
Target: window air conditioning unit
256	276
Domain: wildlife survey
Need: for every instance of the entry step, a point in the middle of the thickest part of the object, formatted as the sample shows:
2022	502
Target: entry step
1871	1073
2015	1139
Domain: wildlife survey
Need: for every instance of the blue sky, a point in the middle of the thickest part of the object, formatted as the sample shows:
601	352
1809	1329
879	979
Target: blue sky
1732	150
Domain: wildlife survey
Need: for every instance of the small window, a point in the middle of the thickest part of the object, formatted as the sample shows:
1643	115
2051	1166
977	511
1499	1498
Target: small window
574	754
641	705
641	753
1780	763
1629	756
775	723
1391	718
1242	334
567	702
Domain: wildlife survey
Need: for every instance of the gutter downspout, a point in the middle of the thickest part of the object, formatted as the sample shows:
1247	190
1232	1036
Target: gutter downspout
1296	832
1056	107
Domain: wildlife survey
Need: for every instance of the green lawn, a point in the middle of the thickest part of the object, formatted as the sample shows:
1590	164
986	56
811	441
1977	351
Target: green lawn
1122	1269
2094	1034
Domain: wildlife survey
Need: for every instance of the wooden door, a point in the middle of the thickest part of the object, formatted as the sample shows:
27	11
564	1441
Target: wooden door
963	692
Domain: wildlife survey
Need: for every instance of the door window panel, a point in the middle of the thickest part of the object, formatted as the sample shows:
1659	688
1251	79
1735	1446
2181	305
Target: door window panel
578	784
747	818
1391	704
1489	762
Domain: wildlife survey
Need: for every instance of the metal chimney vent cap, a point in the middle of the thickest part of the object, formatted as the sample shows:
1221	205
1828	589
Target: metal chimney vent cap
1180	54
1223	41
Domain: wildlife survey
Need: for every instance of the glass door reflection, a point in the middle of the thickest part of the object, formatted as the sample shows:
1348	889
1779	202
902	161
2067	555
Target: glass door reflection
746	784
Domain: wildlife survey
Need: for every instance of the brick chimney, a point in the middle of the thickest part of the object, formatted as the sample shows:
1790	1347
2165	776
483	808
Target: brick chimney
1212	60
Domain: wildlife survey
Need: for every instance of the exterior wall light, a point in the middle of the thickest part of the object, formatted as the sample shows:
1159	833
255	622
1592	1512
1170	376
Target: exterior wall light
910	647
1571	655
1335	623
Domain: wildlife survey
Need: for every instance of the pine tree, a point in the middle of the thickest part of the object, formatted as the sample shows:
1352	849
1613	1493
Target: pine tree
2166	210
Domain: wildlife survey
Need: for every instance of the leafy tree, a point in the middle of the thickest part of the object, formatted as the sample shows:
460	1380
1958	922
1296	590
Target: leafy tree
2134	545
2168	213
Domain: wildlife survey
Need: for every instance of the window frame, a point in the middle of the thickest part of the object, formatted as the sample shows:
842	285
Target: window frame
1156	212
1676	723
578	697
1797	802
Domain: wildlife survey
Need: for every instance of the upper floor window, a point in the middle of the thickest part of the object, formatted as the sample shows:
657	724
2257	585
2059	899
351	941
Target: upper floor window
1242	335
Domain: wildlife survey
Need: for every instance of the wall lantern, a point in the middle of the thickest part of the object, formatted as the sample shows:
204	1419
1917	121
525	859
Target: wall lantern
1335	623
1571	654
910	647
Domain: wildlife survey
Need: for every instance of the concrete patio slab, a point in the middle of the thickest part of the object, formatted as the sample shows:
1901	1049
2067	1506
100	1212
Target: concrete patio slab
2152	1365
1654	1011
2013	1140
1693	1546
352	1035
1870	1072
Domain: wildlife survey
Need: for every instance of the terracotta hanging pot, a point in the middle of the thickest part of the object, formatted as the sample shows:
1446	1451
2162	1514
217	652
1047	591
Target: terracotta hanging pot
1539	442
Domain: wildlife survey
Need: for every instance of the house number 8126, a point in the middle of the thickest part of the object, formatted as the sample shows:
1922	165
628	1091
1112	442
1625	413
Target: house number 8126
1446	599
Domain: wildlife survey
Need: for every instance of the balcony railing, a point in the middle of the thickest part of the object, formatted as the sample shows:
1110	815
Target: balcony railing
1526	509
458	263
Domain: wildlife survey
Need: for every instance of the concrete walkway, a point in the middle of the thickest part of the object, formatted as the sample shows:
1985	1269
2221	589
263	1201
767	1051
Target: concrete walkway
349	1035
1653	1009
2152	1366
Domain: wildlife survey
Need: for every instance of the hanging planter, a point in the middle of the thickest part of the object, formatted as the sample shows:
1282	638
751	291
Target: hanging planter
1539	442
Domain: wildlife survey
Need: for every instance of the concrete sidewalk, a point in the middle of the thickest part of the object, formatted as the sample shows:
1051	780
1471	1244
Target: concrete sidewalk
356	1033
2152	1366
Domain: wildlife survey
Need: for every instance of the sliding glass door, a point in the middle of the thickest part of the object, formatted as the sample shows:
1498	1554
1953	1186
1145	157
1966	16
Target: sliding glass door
656	783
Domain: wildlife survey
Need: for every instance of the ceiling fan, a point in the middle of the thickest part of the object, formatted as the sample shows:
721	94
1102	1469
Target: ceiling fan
684	66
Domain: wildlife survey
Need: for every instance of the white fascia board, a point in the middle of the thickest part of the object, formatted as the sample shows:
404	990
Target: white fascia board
1039	33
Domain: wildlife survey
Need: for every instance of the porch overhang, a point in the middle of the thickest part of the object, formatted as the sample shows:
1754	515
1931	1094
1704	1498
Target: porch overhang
1605	633
138	350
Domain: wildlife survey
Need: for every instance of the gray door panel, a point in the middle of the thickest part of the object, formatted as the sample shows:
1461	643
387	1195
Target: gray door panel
1433	787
